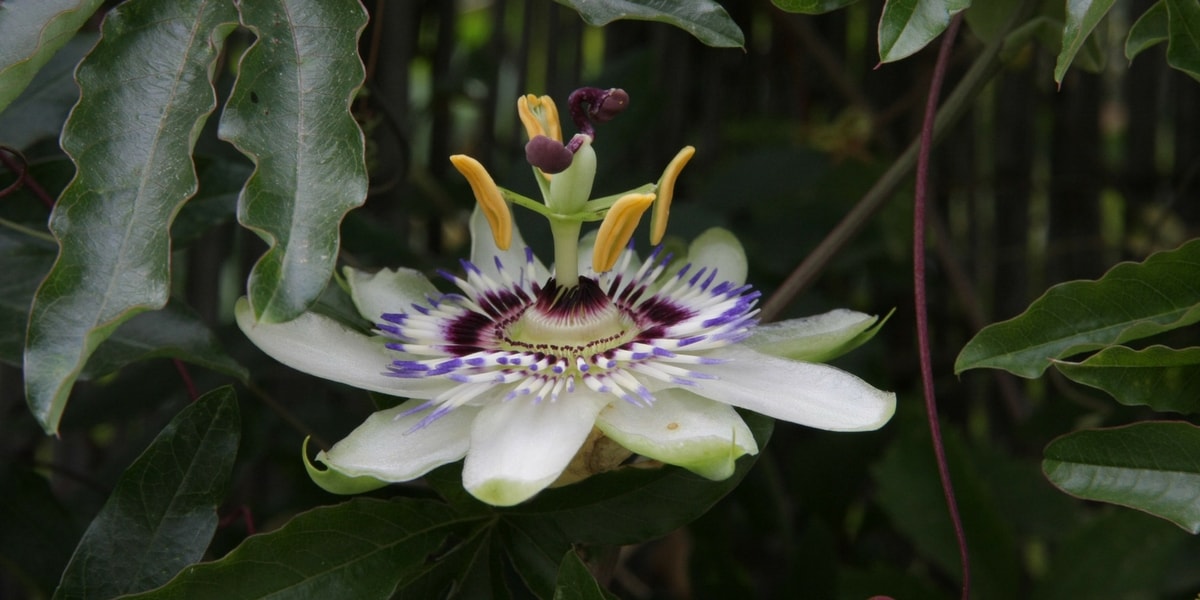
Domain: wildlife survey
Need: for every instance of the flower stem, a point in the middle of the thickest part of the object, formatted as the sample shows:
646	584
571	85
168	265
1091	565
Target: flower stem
920	300
566	250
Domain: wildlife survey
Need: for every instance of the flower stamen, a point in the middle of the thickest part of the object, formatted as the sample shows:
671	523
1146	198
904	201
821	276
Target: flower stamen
488	195
616	230
666	192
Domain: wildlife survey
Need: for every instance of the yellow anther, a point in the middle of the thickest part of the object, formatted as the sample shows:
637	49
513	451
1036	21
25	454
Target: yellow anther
488	195
540	116
617	228
666	190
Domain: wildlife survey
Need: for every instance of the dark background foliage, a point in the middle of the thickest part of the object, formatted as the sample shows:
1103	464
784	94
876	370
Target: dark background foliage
1035	185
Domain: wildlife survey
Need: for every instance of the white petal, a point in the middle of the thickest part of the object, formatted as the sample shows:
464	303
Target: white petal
519	447
683	429
388	291
806	393
321	346
817	338
720	249
484	251
387	447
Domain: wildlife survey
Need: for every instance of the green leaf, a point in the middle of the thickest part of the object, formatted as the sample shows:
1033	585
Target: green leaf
1150	29
24	260
360	549
910	494
704	19
906	26
163	512
811	7
40	110
1183	36
289	112
1122	554
1131	301
172	332
131	137
575	582
1081	18
31	31
1153	467
1162	378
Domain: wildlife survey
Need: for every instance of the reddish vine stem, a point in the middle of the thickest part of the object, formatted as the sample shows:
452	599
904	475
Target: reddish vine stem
920	300
20	168
186	376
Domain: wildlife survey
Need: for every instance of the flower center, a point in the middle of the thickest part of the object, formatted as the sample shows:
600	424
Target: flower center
570	322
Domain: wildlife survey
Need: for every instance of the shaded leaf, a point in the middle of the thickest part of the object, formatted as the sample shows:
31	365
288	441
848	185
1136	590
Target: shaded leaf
575	582
1153	467
811	7
1162	378
40	110
24	260
289	112
30	33
911	495
1131	301
906	26
131	137
1081	18
38	533
163	512
1150	29
171	332
704	19
1183	36
1122	554
359	549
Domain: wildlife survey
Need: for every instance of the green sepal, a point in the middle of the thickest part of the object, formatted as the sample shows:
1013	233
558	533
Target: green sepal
336	482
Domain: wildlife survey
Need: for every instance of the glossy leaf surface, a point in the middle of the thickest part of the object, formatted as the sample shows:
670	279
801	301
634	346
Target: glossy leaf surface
906	26
31	31
359	549
131	137
289	112
1152	466
1183	36
812	7
1081	19
1131	301
1150	29
1162	378
704	19
163	512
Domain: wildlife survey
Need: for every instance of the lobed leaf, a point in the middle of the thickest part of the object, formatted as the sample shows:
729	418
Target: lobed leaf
1150	29
1131	301
1152	466
811	7
1081	18
906	26
163	512
704	19
360	549
1162	378
289	112
1183	36
131	137
30	33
